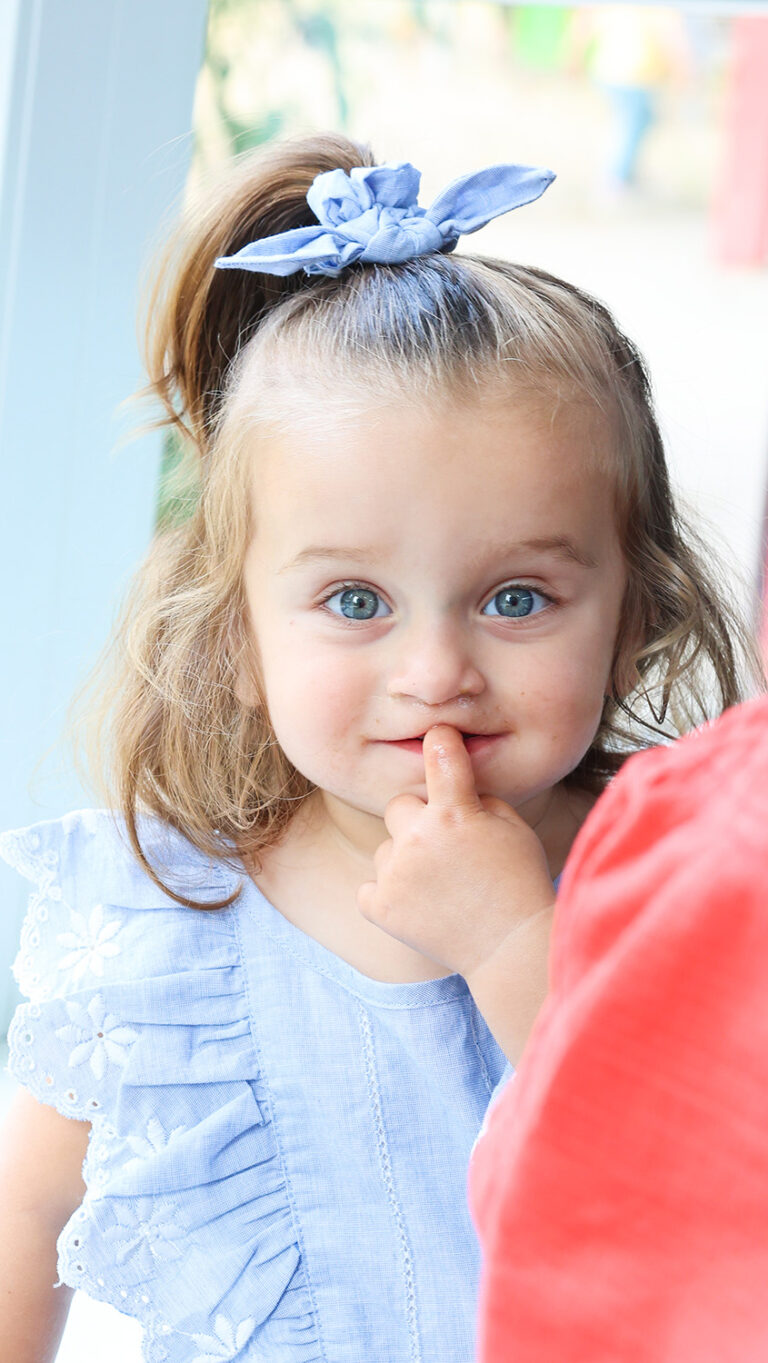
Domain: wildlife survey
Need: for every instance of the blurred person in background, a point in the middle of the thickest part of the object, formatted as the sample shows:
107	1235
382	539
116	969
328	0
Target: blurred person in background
631	52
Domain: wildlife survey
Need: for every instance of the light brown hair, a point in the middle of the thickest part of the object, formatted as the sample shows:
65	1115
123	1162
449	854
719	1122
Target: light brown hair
172	735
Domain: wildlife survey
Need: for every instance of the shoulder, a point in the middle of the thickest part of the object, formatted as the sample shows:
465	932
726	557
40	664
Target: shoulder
93	902
93	844
109	962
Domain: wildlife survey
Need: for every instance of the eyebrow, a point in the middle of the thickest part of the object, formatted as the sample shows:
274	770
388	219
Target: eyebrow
559	545
318	553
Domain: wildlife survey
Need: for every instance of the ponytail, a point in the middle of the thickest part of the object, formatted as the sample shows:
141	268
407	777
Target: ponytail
198	317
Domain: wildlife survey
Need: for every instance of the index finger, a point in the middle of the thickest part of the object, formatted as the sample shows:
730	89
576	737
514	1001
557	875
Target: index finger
448	770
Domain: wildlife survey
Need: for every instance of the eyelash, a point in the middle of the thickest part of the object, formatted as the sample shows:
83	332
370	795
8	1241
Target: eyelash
364	586
528	587
348	587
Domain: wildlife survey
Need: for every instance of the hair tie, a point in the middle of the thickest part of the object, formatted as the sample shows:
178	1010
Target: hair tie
372	214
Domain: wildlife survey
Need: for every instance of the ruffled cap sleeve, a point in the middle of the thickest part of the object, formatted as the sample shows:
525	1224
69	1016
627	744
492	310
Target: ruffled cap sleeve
138	1021
92	961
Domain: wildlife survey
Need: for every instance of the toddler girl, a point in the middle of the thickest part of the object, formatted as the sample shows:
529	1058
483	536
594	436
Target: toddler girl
432	498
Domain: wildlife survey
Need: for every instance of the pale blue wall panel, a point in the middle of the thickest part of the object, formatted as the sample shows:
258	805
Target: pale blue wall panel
96	146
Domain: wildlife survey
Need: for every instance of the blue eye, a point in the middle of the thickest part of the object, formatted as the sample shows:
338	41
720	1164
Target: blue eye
357	603
515	602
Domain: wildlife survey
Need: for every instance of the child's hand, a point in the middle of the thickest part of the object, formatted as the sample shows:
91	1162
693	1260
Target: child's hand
460	872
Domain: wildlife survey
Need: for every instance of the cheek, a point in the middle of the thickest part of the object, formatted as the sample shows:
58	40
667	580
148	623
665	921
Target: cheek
569	674
571	718
315	695
564	693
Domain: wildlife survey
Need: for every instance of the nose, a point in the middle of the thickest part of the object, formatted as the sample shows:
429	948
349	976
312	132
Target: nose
435	666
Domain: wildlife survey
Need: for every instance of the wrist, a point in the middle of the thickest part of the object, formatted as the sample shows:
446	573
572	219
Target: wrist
496	963
510	985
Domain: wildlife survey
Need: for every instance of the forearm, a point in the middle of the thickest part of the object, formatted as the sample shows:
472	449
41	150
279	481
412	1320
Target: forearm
32	1313
41	1157
510	987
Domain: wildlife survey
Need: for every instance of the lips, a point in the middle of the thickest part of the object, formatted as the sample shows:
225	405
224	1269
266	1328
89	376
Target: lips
419	738
473	742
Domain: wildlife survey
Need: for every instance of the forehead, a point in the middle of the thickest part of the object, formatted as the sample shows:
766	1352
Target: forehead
448	472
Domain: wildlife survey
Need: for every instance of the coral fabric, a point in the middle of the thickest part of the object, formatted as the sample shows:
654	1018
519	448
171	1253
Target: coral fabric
620	1190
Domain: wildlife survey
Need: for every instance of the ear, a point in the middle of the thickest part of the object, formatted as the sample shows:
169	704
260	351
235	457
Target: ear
246	693
247	686
245	665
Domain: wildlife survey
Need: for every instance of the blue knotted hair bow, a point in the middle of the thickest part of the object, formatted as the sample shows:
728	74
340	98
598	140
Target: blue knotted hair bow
372	214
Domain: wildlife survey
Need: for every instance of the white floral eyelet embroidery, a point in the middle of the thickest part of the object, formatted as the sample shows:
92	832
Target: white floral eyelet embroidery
154	1348
101	1039
89	943
43	869
155	1139
148	1231
226	1341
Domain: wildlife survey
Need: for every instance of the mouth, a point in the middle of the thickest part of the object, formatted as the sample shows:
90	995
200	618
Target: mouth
473	742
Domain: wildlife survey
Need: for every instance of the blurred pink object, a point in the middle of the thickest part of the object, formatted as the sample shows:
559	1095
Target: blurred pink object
763	588
741	209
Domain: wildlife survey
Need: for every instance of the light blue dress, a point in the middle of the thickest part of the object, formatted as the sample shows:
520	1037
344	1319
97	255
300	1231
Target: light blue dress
278	1160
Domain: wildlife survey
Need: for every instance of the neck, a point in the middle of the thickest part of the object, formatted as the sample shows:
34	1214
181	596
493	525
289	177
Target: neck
354	832
354	835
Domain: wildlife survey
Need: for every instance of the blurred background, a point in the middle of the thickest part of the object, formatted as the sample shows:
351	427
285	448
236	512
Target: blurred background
655	119
644	112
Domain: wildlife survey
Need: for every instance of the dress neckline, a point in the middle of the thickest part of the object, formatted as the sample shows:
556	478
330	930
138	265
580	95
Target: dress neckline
295	942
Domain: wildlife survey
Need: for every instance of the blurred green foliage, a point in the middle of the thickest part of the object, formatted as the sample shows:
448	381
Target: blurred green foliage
314	26
540	34
179	484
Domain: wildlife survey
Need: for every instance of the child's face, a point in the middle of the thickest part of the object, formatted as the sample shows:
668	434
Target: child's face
411	567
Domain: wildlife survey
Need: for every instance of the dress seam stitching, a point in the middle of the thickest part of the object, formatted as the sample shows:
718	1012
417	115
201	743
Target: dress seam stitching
476	1044
385	1167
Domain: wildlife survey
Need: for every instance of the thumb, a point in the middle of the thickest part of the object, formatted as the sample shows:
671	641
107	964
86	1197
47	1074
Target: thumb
448	769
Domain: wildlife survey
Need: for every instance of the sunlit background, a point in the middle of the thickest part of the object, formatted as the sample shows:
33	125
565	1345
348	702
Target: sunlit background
657	208
655	120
